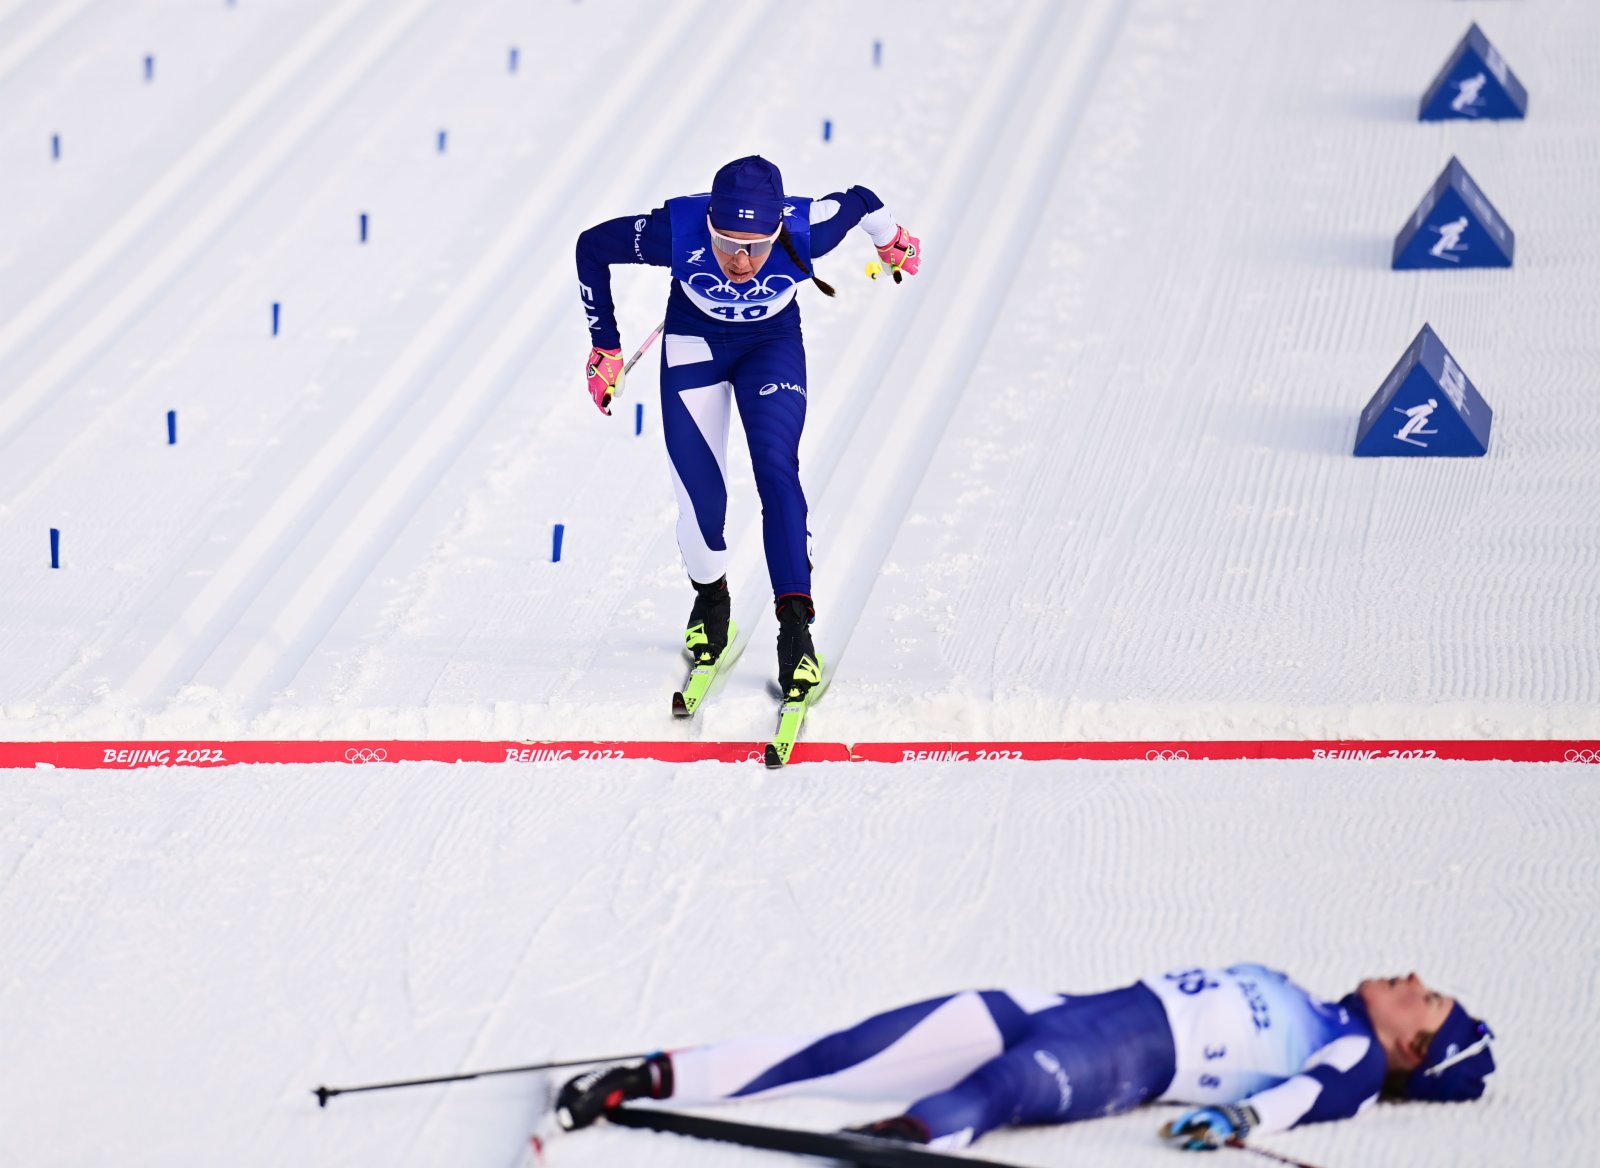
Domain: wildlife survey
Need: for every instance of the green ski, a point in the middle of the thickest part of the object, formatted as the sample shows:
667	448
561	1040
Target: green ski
792	714
687	700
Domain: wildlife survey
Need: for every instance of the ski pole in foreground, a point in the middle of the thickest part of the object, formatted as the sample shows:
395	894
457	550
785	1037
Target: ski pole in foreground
1236	1142
324	1094
648	341
845	1147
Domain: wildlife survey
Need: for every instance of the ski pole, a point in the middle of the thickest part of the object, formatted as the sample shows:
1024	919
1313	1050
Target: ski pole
648	341
622	378
842	1148
1236	1142
324	1094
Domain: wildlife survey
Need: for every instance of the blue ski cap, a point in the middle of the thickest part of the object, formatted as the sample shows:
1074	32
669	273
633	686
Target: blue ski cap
1458	1061
747	195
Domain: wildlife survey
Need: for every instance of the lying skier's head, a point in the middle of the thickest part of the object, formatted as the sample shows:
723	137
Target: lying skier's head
1436	1050
1457	1062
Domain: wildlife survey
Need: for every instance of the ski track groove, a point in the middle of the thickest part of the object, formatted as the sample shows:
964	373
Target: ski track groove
57	15
272	664
950	329
1272	484
200	226
882	332
1110	541
59	444
1116	585
328	585
213	613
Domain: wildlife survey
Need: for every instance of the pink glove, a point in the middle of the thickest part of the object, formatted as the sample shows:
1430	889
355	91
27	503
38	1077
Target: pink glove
903	253
605	377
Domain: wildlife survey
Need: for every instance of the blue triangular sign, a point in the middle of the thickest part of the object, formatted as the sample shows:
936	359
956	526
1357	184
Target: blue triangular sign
1475	83
1455	226
1426	408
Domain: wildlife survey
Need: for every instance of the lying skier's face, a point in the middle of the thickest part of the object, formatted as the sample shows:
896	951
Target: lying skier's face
1405	1012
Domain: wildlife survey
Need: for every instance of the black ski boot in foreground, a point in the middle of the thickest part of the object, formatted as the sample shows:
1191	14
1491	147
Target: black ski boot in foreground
902	1129
707	634
798	670
589	1096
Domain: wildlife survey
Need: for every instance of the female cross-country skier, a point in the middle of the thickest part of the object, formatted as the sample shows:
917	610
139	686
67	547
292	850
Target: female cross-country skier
1253	1051
732	333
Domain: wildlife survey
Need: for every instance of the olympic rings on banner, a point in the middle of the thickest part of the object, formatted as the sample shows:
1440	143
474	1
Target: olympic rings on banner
1165	755
365	754
1590	756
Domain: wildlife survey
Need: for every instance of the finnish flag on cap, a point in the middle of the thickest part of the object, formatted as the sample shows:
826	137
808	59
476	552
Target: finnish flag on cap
747	195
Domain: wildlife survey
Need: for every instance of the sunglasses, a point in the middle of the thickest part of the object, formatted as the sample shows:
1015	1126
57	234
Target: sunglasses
754	248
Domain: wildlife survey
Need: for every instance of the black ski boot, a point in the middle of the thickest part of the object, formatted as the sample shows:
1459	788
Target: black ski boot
589	1096
902	1129
707	634
798	670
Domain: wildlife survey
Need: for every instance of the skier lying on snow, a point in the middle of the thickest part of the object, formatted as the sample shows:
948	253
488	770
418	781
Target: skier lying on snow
1255	1051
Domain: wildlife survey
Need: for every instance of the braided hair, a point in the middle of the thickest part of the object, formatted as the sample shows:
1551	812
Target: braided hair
788	245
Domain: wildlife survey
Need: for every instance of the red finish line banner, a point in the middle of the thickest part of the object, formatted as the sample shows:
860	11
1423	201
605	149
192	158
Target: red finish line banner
142	755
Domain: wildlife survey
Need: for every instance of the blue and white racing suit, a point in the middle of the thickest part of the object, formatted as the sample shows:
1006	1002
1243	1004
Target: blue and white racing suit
727	342
984	1059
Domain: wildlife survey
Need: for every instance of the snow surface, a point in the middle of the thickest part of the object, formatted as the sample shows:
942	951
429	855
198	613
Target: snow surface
1087	476
189	953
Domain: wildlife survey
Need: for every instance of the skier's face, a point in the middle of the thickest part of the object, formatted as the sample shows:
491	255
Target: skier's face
740	266
1405	1012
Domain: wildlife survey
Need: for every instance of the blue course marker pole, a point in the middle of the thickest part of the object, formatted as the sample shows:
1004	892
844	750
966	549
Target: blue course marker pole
363	227
877	53
638	418
441	141
149	67
555	543
827	129
277	316
55	147
172	427
513	60
55	547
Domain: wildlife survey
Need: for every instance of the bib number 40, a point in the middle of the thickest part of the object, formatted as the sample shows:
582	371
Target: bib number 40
748	312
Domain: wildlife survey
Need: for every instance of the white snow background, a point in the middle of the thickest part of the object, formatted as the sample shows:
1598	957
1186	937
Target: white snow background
1087	476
